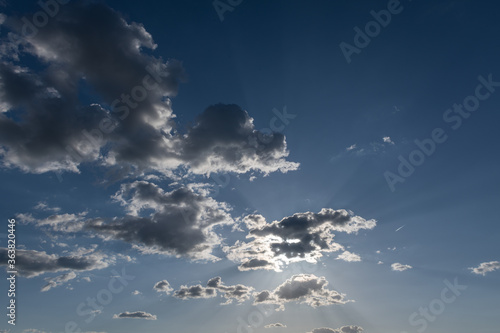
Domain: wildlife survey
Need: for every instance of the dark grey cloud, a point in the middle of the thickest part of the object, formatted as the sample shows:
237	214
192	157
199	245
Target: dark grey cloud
303	288
343	329
182	221
224	139
130	125
135	315
31	263
300	237
163	287
196	291
239	292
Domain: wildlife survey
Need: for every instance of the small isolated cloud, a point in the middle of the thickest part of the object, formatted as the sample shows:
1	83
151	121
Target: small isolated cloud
57	281
387	139
400	267
349	256
135	315
238	292
343	329
86	278
300	237
303	288
163	287
44	207
362	150
485	267
136	292
380	262
275	325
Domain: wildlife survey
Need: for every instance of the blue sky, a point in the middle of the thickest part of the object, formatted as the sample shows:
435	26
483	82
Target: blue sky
244	173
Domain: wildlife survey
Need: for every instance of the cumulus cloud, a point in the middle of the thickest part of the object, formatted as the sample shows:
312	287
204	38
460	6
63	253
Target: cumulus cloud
275	325
349	256
135	315
303	288
239	292
302	236
30	263
343	329
58	280
129	123
163	287
400	267
485	267
182	221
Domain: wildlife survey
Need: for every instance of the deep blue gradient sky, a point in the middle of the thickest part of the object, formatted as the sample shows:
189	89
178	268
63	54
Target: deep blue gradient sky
276	55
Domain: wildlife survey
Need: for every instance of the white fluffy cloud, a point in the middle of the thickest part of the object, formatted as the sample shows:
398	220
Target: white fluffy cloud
485	267
349	256
302	236
400	267
303	288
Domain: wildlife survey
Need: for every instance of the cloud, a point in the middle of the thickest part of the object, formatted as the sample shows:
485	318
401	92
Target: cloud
361	150
275	325
303	288
224	139
44	207
348	256
387	139
57	281
182	221
485	267
30	263
239	292
128	124
400	267
343	329
300	237
136	292
135	315
163	287
57	222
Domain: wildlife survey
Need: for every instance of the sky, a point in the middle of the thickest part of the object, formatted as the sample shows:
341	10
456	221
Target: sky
249	166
